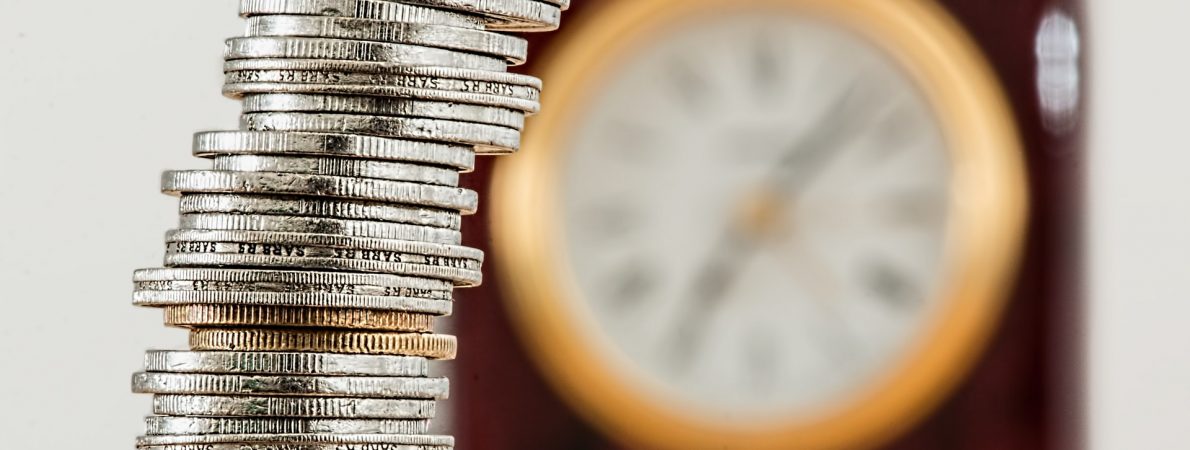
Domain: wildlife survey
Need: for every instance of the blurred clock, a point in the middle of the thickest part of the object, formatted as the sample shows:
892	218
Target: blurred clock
761	224
785	224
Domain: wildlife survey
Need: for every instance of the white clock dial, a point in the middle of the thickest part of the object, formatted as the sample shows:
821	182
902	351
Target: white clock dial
755	213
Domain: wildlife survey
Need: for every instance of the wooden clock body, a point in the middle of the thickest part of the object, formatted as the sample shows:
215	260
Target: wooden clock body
1024	393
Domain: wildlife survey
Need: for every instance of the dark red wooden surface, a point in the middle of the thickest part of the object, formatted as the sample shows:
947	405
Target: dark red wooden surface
1024	393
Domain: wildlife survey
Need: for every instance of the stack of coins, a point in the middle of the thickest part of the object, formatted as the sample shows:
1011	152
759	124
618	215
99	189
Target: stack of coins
313	259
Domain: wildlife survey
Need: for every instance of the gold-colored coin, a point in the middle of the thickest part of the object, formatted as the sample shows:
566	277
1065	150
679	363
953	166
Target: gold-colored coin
281	316
433	346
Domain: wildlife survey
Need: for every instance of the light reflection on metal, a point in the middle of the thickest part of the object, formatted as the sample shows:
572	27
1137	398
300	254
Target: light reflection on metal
1059	78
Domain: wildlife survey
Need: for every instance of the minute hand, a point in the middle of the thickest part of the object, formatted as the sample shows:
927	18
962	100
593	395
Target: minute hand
797	169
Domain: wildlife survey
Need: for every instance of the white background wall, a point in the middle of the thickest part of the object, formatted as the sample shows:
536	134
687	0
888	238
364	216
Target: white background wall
1140	225
91	110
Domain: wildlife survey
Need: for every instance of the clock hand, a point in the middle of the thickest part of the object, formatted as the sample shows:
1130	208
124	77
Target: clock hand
708	292
733	248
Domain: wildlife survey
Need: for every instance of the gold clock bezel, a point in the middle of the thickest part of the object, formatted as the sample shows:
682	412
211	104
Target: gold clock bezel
987	223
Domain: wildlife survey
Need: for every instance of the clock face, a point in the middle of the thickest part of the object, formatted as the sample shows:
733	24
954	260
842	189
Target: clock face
755	212
760	224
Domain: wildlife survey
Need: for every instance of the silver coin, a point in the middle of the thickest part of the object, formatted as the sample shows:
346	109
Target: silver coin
296	206
501	83
285	363
272	446
487	138
239	90
268	183
506	15
178	286
324	77
353	50
461	277
340	167
240	406
381	10
512	48
290	281
384	106
215	143
319	225
473	256
165	425
214	253
290	385
151	298
358	76
298	438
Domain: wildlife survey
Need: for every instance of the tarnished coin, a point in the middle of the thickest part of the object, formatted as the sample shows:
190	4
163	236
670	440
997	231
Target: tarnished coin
432	346
319	225
222	248
165	425
354	50
328	407
215	143
285	363
289	385
487	138
339	167
513	48
382	10
272	183
281	316
384	106
340	209
363	440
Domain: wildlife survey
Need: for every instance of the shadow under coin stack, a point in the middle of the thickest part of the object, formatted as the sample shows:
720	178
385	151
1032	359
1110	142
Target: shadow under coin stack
312	261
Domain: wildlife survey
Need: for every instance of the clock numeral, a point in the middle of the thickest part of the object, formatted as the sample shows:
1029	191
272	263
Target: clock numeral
690	85
632	284
917	210
766	65
760	355
611	222
889	284
630	139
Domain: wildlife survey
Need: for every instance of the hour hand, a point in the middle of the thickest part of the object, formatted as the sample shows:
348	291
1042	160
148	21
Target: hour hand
707	294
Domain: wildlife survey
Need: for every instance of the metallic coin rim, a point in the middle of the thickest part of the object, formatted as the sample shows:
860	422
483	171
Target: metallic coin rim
170	425
297	438
179	182
286	276
290	385
485	137
364	9
249	406
340	167
162	299
431	346
512	48
319	226
332	208
284	363
210	144
224	315
384	106
446	73
269	47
